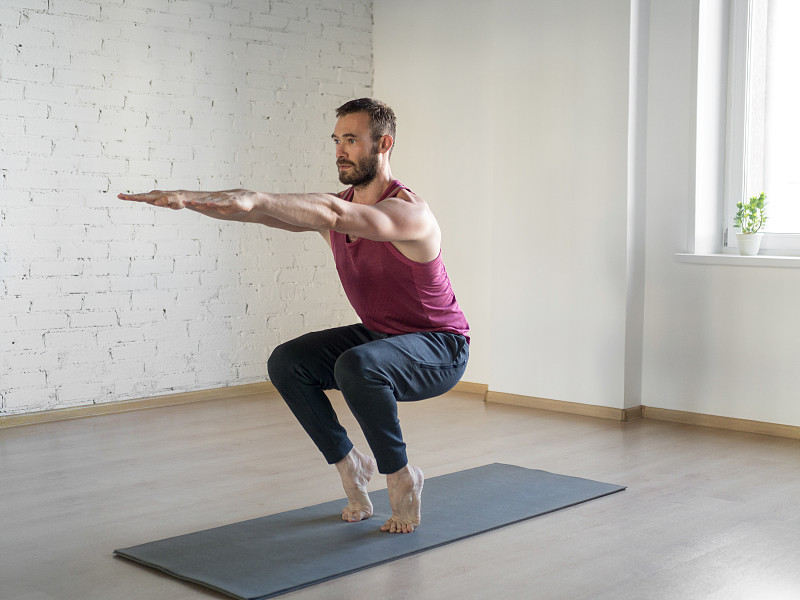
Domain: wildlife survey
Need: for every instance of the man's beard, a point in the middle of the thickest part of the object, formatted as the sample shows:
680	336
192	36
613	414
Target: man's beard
360	173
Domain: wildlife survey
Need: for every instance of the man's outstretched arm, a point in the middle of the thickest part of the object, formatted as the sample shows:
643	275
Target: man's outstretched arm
405	218
204	203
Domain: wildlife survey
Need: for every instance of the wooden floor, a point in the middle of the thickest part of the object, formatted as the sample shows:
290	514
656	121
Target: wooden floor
708	514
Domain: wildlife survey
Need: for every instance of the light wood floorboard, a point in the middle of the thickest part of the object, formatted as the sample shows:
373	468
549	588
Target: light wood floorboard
708	514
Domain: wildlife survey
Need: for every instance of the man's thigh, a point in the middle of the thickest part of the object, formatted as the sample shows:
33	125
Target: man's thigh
418	365
316	353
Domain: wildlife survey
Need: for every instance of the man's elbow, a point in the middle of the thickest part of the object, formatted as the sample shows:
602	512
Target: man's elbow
333	220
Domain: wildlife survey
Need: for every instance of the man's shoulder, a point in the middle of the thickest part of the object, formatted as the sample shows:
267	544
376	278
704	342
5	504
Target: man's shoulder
409	197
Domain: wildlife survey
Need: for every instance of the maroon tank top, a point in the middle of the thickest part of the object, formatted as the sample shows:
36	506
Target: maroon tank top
390	292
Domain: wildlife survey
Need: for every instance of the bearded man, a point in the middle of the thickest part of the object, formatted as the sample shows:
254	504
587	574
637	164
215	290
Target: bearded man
412	342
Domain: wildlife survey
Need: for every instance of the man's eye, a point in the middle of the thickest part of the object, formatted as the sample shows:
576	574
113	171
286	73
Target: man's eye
352	140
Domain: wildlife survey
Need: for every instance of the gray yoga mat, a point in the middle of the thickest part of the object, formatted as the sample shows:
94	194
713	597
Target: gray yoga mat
273	555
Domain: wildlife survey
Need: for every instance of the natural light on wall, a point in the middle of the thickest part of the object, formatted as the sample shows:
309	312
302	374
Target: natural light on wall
782	117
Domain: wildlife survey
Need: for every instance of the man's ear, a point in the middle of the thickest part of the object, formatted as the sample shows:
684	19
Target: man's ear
385	143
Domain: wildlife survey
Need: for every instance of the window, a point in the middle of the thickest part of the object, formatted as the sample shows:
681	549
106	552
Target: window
764	119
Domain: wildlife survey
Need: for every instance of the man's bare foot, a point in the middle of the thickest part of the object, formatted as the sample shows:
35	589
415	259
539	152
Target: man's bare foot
405	498
356	469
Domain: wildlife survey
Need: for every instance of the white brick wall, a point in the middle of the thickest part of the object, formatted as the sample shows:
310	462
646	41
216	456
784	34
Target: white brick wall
102	300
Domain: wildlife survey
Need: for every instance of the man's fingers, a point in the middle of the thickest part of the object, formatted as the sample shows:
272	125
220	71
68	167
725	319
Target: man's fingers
156	198
133	197
222	202
148	197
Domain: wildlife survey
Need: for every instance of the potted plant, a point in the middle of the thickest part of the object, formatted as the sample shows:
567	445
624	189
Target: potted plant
750	218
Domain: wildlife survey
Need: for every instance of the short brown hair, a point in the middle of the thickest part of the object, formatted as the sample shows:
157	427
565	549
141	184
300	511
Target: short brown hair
381	117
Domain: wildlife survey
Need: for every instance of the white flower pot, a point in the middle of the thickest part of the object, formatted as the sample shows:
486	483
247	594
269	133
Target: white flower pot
748	243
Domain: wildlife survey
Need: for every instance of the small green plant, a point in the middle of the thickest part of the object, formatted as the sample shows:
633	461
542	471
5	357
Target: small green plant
751	215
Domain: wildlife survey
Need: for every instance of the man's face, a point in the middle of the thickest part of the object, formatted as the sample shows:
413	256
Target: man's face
357	155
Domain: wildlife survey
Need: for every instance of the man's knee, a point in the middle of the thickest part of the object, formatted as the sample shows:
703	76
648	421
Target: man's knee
354	368
283	361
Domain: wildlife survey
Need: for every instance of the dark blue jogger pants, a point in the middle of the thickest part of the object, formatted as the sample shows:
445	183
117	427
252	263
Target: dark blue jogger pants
374	372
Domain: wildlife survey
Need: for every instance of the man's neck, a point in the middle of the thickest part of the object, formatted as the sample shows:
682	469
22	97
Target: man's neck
371	192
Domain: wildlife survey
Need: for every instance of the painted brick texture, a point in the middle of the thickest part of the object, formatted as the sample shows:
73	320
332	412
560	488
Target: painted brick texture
103	301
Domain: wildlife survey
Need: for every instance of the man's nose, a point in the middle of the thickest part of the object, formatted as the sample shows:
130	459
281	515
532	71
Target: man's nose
340	151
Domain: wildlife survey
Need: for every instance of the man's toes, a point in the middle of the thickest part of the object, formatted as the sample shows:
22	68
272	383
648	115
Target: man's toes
397	526
353	515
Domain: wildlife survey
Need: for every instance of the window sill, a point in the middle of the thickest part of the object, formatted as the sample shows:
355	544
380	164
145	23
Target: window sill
736	260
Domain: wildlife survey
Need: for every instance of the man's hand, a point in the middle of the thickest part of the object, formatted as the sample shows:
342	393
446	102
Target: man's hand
225	203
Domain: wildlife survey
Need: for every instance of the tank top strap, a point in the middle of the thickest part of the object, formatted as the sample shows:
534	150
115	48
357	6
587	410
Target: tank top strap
347	195
394	188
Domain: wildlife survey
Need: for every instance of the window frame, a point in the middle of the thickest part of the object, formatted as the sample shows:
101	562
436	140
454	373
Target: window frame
745	121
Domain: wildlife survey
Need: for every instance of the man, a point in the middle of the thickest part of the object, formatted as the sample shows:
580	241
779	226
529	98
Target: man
412	343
